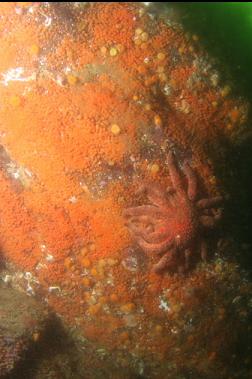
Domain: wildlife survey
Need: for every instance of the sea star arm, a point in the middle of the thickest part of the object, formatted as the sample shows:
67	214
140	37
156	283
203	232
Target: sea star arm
143	210
155	195
208	221
154	248
209	203
203	250
188	254
192	182
217	213
146	222
166	262
176	177
154	237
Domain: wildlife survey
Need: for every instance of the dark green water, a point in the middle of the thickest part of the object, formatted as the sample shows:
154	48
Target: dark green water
225	31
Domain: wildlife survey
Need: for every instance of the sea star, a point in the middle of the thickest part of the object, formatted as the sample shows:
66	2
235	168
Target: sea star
171	225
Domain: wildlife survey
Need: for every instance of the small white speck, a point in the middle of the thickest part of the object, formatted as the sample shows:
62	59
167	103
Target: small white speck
43	247
164	305
167	90
29	290
28	172
174	330
16	175
132	158
50	258
73	199
48	21
18	10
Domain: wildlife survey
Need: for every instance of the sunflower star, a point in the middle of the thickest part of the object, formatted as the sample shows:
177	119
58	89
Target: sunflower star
171	225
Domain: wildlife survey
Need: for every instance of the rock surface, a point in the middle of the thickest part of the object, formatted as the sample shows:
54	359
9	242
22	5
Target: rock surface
22	321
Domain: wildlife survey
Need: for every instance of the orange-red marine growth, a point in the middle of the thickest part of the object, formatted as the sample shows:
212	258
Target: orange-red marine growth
93	97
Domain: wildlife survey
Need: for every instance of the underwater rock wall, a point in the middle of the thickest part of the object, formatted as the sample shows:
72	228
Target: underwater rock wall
93	99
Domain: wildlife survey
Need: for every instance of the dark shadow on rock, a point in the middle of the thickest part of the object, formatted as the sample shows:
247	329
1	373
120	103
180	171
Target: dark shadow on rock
54	340
235	177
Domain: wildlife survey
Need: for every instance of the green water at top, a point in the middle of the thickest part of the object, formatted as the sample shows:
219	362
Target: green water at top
225	29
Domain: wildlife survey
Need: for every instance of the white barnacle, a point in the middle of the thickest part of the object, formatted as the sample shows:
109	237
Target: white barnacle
30	290
48	21
7	279
164	305
28	276
167	90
